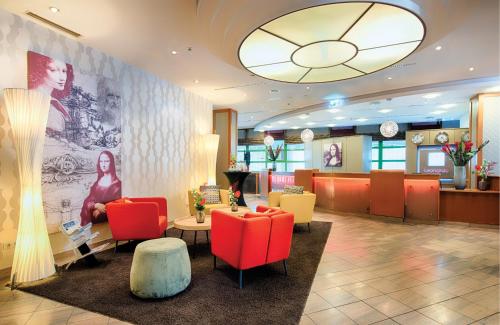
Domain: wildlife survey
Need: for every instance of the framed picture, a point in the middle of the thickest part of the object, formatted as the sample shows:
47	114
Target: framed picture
332	154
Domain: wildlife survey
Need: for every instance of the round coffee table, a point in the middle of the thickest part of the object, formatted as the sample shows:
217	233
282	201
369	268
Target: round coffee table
190	224
240	213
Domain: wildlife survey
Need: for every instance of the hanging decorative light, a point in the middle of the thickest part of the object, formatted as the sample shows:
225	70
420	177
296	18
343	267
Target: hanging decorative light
307	135
268	140
389	129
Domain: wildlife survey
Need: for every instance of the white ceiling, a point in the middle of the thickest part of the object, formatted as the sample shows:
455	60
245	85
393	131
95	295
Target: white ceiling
144	33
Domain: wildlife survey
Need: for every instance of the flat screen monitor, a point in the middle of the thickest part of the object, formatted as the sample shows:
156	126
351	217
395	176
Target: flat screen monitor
432	160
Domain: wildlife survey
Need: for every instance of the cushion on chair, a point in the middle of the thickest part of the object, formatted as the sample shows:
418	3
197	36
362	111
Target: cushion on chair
211	193
160	268
292	189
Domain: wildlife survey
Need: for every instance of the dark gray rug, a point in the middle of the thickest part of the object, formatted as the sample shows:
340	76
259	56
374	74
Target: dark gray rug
213	297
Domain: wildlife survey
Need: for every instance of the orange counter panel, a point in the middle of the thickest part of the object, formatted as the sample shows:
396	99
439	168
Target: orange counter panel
422	199
387	193
470	206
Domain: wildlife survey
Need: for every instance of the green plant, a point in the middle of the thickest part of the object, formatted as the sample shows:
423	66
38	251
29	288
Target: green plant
199	200
274	154
233	196
483	171
463	152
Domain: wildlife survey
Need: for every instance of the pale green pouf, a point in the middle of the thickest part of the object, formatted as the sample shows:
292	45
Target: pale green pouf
160	268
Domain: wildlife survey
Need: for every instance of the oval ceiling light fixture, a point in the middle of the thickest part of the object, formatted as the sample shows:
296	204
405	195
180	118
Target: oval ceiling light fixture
332	42
389	129
307	135
268	140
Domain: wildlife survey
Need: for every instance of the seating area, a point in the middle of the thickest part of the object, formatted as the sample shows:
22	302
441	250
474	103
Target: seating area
250	162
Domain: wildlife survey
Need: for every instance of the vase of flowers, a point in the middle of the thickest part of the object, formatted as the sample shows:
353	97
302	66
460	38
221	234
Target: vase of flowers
199	205
483	171
233	199
460	155
274	154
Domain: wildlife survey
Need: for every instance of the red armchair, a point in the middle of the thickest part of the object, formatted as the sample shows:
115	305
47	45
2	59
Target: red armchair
256	239
137	218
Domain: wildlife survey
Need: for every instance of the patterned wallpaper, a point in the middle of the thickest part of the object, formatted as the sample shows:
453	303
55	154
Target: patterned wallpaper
491	131
162	123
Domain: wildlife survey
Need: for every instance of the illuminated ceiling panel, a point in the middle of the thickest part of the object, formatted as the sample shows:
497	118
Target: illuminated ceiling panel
331	42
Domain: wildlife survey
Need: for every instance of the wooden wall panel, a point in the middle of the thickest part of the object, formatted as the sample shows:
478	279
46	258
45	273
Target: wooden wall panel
351	195
470	206
422	199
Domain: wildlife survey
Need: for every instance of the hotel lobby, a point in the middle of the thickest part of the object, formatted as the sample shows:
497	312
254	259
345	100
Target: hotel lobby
249	162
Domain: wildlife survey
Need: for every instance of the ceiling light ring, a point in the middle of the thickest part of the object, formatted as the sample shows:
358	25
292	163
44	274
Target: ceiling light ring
414	13
323	67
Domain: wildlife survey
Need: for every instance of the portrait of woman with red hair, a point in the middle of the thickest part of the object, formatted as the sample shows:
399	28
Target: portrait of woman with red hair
106	188
54	78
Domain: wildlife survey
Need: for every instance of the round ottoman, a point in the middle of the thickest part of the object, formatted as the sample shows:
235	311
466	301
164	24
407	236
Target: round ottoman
160	268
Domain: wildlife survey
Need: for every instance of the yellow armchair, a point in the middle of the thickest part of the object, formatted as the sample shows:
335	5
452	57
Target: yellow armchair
224	197
301	205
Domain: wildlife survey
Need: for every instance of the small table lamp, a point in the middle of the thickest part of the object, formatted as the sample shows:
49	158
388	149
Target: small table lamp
28	112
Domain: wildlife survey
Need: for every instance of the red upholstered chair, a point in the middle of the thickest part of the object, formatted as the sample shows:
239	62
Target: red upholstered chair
254	240
137	218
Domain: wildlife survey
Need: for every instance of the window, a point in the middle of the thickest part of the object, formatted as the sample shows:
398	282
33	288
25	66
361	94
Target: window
389	154
290	158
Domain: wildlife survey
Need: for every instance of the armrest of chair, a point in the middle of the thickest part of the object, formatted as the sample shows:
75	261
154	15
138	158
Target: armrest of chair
224	196
133	220
162	203
274	199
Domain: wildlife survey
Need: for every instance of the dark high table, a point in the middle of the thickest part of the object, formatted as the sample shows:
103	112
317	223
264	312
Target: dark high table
236	180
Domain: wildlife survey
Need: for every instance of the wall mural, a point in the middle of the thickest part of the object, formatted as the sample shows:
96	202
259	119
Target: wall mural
81	166
332	154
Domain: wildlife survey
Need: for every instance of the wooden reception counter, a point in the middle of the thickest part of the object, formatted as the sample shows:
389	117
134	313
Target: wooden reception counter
410	197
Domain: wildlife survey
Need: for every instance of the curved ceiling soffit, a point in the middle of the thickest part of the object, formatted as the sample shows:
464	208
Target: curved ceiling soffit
223	25
415	90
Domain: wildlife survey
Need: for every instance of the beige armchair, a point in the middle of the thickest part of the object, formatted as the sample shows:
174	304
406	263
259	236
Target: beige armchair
224	197
301	205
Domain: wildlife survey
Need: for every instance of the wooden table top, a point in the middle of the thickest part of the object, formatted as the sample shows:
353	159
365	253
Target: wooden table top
240	213
189	223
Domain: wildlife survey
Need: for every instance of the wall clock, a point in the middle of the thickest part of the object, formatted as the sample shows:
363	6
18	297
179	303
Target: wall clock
417	138
442	137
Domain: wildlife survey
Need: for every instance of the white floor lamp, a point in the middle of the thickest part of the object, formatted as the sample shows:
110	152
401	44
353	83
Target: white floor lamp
28	111
211	146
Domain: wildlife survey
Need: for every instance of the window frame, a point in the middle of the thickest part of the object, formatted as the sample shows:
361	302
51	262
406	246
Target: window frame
267	162
380	148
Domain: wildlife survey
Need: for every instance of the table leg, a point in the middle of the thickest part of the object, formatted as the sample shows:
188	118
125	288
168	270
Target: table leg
182	233
206	232
194	246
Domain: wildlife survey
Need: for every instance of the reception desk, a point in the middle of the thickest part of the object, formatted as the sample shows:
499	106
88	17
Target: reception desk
407	197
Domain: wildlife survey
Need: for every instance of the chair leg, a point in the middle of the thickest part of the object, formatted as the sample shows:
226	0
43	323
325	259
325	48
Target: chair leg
182	233
309	226
165	233
285	267
116	245
215	262
241	279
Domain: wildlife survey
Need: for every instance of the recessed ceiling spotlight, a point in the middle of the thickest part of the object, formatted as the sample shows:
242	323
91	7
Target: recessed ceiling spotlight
295	127
310	123
174	52
268	126
338	118
362	119
274	91
431	95
334	110
54	9
295	44
196	81
331	125
304	116
447	106
438	112
282	122
385	110
389	78
307	88
251	117
471	69
438	48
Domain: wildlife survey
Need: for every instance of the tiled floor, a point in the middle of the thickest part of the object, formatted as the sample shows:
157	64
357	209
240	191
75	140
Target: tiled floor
372	272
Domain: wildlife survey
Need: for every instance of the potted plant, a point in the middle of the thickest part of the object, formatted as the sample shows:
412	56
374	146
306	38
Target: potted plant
199	205
274	154
233	199
483	171
460	155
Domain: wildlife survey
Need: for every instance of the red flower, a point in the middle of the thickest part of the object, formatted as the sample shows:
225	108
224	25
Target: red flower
468	146
237	194
478	167
202	202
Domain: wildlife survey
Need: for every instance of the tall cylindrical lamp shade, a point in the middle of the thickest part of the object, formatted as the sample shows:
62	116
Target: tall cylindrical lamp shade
211	147
28	111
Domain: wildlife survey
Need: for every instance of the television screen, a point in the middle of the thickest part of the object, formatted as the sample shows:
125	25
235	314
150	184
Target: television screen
431	160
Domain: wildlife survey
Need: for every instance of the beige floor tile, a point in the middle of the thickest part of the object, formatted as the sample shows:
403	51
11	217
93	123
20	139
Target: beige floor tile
315	303
49	304
414	318
388	306
18	319
114	321
79	315
386	322
362	313
444	315
54	316
304	320
416	300
492	320
20	306
337	297
330	316
467	308
361	290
